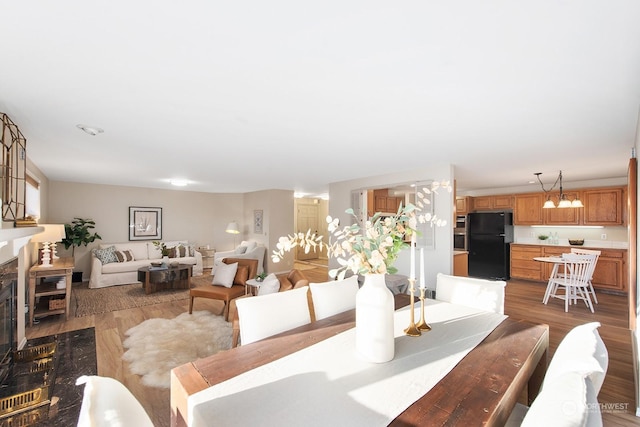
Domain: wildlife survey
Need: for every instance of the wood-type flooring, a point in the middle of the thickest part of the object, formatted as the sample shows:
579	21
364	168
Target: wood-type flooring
523	301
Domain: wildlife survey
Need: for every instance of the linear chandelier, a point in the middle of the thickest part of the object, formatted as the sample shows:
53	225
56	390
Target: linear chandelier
563	200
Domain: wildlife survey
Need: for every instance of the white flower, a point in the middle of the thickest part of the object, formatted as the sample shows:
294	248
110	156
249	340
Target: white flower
372	250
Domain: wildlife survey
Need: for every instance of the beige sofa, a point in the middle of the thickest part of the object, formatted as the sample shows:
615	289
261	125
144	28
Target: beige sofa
125	272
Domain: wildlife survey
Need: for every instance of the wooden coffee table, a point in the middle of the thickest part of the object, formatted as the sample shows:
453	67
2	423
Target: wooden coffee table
154	279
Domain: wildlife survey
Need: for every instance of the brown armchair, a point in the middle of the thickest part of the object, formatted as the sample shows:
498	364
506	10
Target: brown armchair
293	280
247	268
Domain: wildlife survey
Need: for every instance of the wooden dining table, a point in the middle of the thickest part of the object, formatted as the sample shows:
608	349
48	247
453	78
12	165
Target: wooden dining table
506	367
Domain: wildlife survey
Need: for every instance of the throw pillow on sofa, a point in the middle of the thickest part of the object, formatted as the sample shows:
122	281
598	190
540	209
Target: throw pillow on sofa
124	256
269	285
106	255
225	273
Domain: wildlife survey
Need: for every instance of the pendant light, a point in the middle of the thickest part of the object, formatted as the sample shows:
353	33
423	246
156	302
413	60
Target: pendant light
563	200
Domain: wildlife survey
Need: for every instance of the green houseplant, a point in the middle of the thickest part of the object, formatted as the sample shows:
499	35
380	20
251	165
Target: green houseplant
79	233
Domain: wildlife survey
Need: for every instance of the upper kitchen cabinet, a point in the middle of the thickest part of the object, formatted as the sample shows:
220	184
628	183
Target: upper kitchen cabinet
563	216
527	209
483	203
385	203
463	205
603	206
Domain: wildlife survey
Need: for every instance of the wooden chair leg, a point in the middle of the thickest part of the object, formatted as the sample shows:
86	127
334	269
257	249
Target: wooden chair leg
190	305
234	338
226	311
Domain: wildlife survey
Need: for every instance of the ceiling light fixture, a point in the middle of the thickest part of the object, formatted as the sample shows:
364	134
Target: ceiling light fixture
179	182
563	200
91	130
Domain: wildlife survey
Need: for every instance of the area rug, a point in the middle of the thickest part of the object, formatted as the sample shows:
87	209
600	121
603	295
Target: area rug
157	345
104	300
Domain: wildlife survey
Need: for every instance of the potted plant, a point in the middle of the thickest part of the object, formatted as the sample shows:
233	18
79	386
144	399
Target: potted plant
260	277
79	233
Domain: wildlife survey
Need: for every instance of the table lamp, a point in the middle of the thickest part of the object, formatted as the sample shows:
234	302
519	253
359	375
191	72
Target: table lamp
52	233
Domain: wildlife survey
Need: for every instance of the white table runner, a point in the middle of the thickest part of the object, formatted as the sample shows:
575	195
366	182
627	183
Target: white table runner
327	384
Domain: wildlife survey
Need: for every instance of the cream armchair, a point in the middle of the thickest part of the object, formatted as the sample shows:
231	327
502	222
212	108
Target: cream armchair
248	249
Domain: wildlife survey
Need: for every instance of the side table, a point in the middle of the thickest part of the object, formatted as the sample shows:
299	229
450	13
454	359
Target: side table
43	283
254	285
208	256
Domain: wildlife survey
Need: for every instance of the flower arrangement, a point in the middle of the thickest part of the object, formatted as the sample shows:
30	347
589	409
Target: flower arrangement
374	249
162	247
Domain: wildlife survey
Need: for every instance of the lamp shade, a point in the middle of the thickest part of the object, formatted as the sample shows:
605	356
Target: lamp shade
232	228
52	233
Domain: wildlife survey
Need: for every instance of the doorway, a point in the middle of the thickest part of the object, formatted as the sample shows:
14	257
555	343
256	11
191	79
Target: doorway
309	215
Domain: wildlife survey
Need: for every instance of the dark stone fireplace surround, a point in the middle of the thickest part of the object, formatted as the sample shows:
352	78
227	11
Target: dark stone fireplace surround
75	351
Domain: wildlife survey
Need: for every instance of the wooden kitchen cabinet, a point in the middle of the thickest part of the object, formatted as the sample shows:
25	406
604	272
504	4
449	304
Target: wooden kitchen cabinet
504	201
489	203
482	203
461	263
527	209
563	216
522	264
463	205
604	206
610	273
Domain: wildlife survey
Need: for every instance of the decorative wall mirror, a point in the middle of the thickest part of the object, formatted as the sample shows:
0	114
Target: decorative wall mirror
365	202
13	170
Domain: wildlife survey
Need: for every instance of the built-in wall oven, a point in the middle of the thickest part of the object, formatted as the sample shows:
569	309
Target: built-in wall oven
460	233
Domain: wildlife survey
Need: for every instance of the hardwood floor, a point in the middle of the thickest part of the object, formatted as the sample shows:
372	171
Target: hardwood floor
523	301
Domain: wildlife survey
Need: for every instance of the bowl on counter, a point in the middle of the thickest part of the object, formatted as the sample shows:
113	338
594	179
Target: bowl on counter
576	242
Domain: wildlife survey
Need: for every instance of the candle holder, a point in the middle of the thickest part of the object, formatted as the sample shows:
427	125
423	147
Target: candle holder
412	330
422	324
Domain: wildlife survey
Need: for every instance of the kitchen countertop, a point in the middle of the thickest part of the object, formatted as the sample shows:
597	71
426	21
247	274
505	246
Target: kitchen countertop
594	244
460	253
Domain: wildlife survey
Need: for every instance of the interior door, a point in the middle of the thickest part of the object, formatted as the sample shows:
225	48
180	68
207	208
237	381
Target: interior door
307	220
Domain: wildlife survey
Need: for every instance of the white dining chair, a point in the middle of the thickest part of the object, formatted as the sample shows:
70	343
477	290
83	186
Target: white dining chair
482	294
573	279
108	403
334	297
262	316
592	267
583	352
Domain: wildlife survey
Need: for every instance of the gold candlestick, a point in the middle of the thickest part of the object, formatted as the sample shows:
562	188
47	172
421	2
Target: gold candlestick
412	330
422	324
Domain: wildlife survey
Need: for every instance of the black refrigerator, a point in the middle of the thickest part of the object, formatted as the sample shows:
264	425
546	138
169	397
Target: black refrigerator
490	234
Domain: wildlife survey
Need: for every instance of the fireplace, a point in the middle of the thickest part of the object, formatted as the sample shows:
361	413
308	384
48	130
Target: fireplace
27	375
8	321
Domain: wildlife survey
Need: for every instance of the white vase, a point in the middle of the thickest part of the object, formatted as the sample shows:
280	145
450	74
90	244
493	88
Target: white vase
374	320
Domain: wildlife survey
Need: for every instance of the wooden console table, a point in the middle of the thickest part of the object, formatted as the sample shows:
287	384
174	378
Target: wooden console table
40	287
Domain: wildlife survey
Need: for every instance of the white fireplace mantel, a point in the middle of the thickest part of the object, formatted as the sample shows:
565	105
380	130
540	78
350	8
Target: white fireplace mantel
11	241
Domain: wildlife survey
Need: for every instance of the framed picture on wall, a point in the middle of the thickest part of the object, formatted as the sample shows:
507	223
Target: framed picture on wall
257	221
145	223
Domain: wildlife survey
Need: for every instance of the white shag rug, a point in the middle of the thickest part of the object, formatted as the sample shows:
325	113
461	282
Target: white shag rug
158	345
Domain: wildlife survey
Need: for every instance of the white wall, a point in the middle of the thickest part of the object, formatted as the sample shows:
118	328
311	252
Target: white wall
278	209
437	260
197	217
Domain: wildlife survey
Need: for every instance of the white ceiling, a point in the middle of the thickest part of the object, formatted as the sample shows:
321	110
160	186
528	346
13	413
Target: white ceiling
251	95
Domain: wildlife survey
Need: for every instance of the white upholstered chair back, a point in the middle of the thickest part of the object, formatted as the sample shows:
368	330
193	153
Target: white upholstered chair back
581	350
482	294
266	315
107	402
334	297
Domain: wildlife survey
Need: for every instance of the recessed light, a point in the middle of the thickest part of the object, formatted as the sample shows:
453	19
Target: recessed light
91	130
179	182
